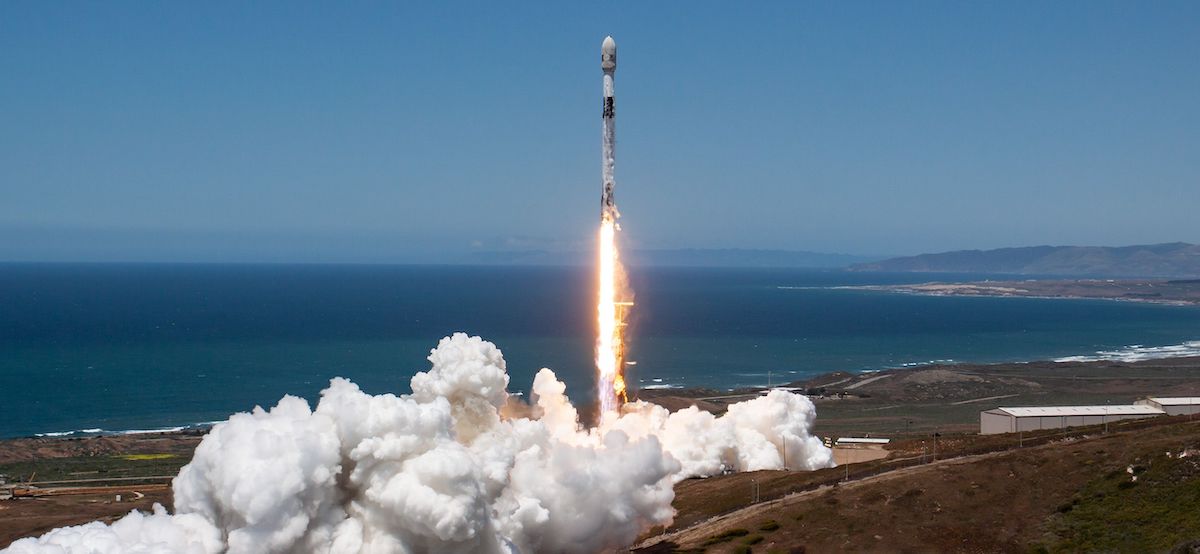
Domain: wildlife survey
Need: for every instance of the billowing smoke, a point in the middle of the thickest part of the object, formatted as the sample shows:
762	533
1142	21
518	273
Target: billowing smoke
447	469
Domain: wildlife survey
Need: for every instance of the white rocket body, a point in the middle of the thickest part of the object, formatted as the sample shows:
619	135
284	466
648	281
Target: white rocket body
608	64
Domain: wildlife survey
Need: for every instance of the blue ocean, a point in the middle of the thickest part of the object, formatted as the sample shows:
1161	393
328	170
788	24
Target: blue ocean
129	347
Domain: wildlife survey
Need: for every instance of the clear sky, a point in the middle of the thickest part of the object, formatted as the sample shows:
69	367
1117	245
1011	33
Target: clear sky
389	131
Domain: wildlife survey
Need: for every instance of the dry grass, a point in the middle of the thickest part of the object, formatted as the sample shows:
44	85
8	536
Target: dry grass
1062	497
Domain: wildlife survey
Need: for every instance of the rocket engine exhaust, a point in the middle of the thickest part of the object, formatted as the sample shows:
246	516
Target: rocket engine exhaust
613	300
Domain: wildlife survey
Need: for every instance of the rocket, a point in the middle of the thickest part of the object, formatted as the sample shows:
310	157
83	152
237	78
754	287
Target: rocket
608	64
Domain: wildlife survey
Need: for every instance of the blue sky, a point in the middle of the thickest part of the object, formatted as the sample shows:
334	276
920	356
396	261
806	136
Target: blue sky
392	132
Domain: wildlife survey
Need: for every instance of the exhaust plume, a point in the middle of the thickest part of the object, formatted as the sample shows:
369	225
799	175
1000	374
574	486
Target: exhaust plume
445	469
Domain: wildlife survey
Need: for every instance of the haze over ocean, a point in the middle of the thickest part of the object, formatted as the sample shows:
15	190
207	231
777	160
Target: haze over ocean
121	347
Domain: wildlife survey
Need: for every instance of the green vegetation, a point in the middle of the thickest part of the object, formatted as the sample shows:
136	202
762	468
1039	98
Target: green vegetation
769	525
93	467
1068	506
146	457
1117	513
726	536
752	539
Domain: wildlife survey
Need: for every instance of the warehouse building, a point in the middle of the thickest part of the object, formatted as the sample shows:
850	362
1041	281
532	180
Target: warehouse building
1011	420
1178	405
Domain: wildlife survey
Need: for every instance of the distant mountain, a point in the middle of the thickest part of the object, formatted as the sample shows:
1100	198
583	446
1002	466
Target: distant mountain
1177	259
732	257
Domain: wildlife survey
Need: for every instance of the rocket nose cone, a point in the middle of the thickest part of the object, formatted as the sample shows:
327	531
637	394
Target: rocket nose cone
608	54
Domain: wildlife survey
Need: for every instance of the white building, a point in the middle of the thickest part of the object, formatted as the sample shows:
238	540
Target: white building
857	441
1011	420
1178	405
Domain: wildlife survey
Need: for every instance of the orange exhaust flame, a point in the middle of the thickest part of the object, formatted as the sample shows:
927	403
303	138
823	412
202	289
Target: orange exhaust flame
610	315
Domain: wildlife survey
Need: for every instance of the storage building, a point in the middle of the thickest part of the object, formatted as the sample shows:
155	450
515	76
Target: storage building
855	441
1178	405
1011	420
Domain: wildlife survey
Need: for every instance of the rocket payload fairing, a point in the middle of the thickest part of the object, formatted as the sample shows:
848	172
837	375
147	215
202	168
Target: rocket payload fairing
608	64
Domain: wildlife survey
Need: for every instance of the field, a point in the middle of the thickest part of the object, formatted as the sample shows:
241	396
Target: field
94	471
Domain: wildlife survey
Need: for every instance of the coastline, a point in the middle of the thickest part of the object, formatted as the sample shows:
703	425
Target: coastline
675	396
1163	292
1172	370
1117	380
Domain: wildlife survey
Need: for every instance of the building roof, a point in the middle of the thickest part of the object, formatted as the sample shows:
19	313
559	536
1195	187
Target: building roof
1175	400
862	440
1057	411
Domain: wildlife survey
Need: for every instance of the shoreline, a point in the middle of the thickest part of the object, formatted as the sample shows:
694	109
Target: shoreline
825	384
1131	354
96	432
1181	293
911	290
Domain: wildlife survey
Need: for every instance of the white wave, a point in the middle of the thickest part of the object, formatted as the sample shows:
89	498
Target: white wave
1138	352
656	383
929	362
71	433
99	431
152	431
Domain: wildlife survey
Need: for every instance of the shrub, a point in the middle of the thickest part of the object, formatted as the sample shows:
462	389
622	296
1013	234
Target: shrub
726	536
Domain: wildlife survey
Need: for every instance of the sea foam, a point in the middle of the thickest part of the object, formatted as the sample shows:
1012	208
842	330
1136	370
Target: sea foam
1138	352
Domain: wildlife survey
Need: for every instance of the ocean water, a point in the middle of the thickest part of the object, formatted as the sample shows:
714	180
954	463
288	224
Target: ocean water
141	347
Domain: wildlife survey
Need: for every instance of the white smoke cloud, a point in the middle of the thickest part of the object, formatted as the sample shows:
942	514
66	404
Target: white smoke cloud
442	470
155	533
